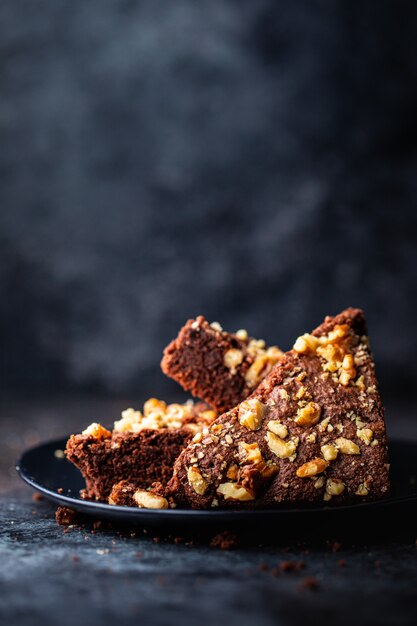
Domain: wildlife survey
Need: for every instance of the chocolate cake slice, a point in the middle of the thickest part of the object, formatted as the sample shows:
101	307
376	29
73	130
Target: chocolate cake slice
220	368
141	449
312	431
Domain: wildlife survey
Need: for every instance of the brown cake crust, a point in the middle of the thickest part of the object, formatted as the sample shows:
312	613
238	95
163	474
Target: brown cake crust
220	368
105	458
328	379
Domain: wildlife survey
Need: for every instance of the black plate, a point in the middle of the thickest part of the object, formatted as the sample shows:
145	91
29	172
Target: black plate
45	469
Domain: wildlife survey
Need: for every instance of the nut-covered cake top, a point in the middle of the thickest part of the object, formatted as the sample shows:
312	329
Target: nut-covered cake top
157	414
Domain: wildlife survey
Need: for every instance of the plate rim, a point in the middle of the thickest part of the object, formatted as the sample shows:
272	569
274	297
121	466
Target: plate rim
90	507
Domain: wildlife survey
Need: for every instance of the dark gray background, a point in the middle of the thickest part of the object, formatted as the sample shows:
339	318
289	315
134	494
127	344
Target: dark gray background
251	161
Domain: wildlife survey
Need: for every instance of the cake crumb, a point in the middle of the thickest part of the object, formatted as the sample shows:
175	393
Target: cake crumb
291	566
65	516
310	582
224	540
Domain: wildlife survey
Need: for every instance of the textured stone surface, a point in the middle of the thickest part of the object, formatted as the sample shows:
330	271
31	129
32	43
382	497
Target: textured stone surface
49	576
252	161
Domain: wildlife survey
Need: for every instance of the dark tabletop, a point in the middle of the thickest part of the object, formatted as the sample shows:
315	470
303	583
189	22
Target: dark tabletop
93	574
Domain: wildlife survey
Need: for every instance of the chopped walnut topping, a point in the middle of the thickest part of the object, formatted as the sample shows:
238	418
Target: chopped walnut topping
311	468
360	383
250	453
348	370
216	326
333	356
362	490
334	487
282	449
233	491
157	414
309	343
301	392
324	424
232	472
196	480
365	434
97	431
264	360
147	500
333	350
311	438
232	359
329	452
208	415
256	347
278	428
319	483
268	469
346	446
251	413
284	394
308	415
306	343
242	334
154	405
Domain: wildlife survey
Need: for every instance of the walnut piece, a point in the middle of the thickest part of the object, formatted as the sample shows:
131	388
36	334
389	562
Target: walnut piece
278	428
329	452
233	491
306	343
147	500
362	490
346	446
232	359
232	472
97	431
251	413
282	449
152	405
157	414
301	392
250	453
309	343
334	351
365	434
311	468
197	481
348	370
334	487
264	360
308	415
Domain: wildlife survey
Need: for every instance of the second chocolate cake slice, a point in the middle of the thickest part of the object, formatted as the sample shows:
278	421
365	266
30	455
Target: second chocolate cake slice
220	368
312	431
